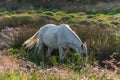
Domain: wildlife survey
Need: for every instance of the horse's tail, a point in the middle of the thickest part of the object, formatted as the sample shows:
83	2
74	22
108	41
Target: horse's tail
31	42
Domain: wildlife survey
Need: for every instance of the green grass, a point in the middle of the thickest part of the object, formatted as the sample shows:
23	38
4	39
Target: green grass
40	17
19	75
72	59
77	67
99	30
39	76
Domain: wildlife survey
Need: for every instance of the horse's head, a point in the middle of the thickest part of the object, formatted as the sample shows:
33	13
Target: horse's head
84	51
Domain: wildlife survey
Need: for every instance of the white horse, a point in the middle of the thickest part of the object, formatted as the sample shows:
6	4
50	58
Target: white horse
61	37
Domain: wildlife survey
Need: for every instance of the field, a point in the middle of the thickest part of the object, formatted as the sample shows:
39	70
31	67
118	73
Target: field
99	29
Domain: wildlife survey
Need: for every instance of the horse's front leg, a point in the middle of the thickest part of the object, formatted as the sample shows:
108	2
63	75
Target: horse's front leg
48	53
61	52
65	52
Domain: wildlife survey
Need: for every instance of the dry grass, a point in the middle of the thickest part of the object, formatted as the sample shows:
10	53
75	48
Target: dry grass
14	37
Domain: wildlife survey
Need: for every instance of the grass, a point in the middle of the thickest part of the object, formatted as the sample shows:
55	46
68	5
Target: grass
40	17
100	31
75	67
39	76
17	36
19	75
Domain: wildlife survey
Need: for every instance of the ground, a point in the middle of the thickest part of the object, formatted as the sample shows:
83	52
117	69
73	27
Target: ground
8	63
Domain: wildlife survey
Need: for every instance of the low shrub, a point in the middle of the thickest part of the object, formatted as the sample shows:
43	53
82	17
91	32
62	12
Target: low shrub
98	30
14	37
100	41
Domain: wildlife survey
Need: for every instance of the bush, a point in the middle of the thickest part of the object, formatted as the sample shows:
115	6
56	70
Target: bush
17	36
97	30
100	41
15	20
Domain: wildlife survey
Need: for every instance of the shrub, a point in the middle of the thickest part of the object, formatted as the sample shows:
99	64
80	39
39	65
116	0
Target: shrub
106	25
15	20
85	22
17	36
100	41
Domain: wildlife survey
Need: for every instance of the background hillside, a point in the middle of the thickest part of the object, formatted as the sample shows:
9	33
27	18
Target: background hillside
96	22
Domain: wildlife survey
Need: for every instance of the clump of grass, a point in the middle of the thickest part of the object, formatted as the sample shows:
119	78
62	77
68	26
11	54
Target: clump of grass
85	22
53	60
14	37
115	23
107	25
100	41
15	20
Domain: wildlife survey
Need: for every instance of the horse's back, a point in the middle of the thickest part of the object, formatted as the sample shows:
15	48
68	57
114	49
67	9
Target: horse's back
48	35
53	35
46	27
64	31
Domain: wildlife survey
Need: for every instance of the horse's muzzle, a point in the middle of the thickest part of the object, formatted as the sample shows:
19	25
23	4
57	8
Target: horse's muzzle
84	55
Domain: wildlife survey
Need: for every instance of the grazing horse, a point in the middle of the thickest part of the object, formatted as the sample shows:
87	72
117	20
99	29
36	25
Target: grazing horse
53	36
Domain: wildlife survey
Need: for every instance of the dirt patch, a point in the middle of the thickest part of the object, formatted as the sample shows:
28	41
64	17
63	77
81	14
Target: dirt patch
56	71
9	63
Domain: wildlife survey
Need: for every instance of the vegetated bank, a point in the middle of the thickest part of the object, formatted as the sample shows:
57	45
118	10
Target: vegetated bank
100	30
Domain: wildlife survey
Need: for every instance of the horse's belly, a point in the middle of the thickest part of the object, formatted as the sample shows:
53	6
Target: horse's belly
50	39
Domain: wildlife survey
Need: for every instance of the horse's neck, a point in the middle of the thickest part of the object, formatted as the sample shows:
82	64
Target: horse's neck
76	45
72	38
75	41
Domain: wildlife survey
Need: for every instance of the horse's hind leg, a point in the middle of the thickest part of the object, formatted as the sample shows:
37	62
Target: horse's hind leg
48	53
39	46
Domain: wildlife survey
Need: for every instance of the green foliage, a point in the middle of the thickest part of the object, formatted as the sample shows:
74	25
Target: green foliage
15	20
40	17
72	60
100	41
94	29
53	60
19	75
47	5
99	30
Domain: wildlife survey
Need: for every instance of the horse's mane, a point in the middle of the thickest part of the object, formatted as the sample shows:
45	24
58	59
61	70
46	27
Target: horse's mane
69	29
